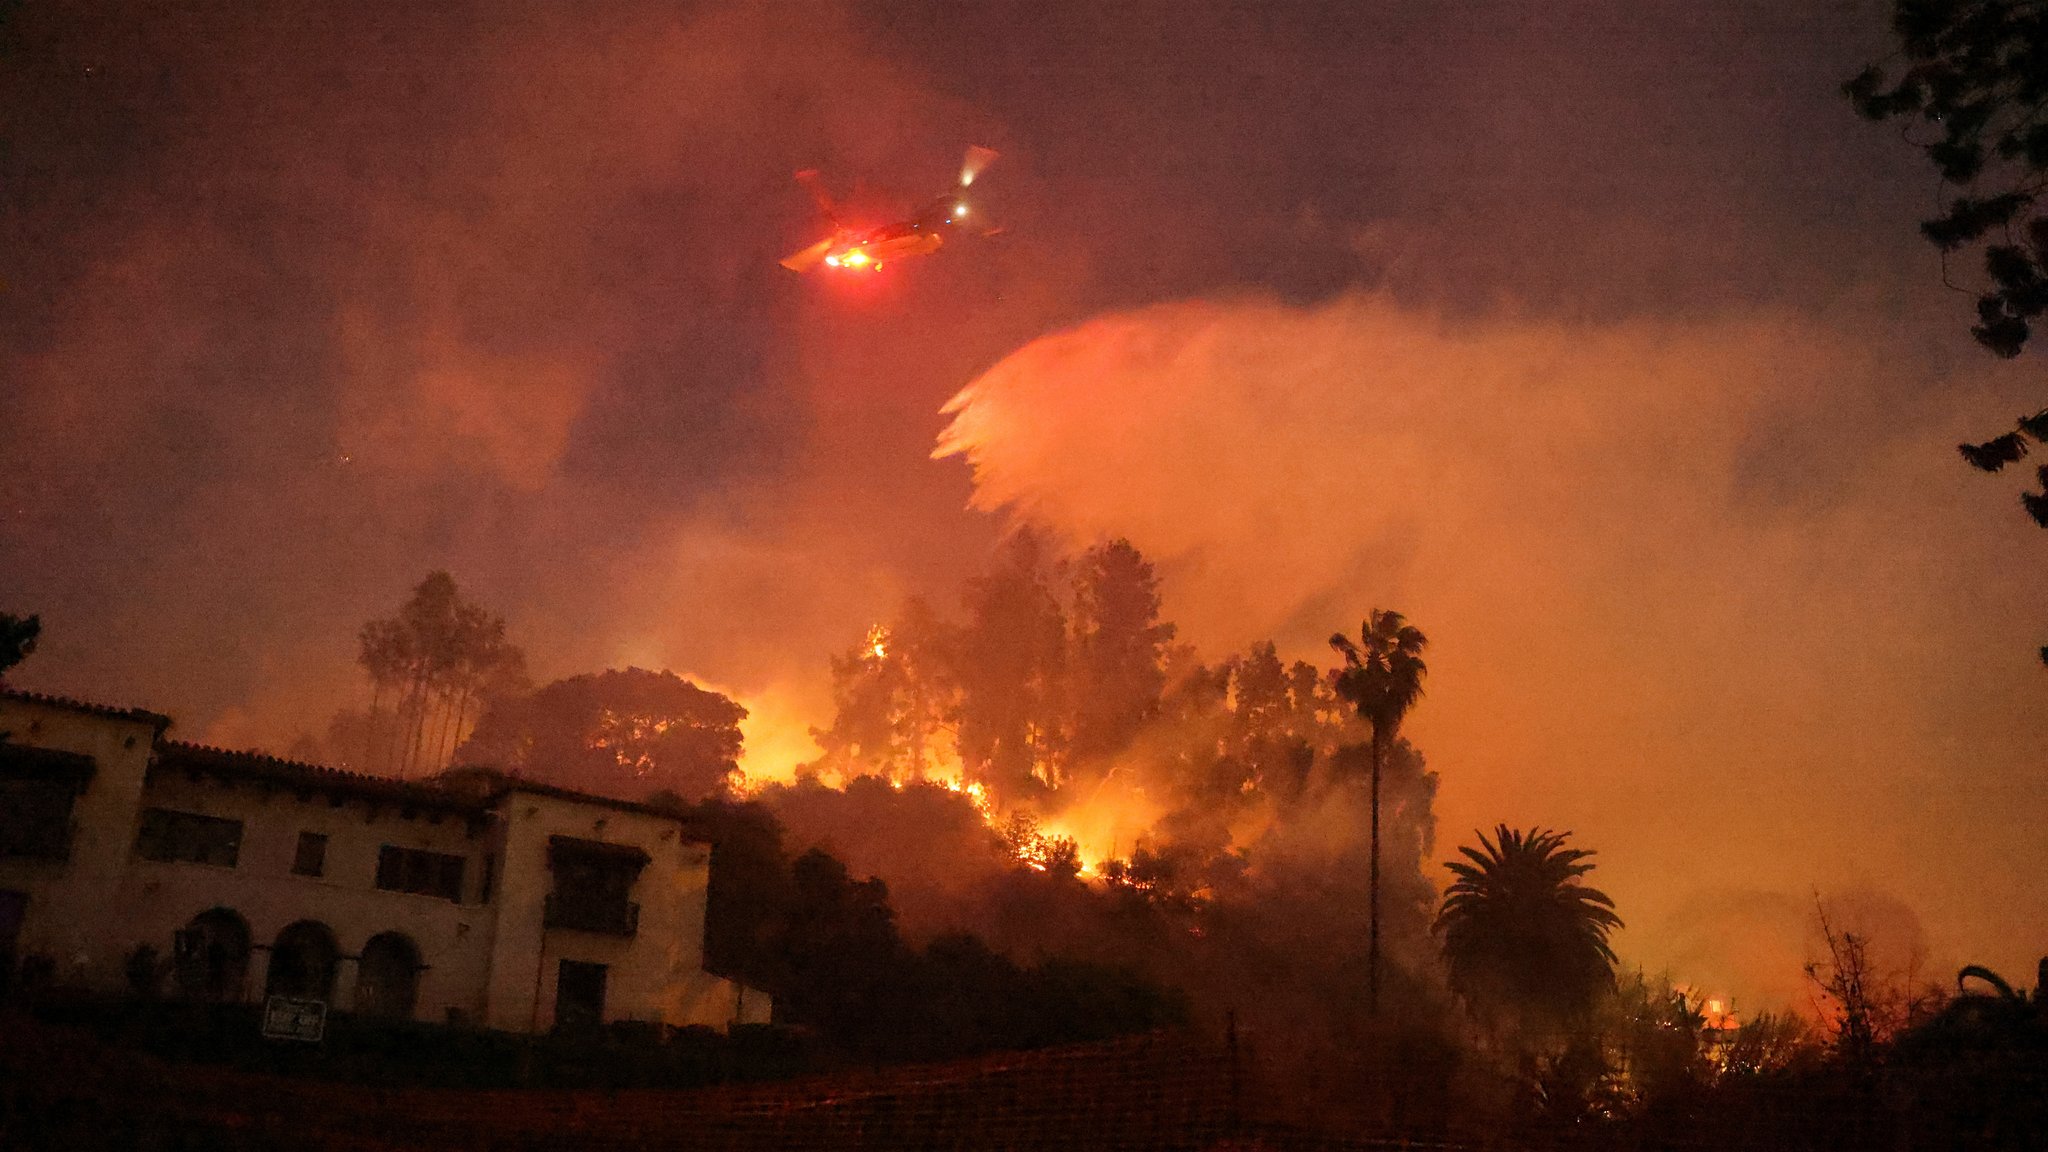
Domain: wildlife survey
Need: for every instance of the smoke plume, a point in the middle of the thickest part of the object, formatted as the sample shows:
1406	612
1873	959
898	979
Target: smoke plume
1689	593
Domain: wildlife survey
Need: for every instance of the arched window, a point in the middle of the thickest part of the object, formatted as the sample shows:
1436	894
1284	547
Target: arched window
211	956
388	976
302	962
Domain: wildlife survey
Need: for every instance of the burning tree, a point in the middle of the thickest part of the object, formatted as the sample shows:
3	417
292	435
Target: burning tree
1281	718
1092	720
1118	648
893	696
1217	811
1010	664
626	733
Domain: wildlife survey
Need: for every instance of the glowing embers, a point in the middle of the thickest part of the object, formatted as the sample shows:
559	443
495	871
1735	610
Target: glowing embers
1039	844
627	737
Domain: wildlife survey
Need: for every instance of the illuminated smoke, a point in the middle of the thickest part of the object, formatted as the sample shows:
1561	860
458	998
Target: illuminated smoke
1686	587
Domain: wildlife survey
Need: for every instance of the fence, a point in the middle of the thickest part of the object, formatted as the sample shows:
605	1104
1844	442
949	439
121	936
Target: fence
60	1089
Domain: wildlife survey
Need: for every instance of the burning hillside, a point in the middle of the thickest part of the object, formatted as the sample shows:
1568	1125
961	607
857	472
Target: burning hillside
1087	742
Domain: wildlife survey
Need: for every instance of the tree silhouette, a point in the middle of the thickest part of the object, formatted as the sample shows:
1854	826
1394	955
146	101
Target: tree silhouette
1119	645
1977	76
625	733
440	654
17	639
1382	679
1011	667
1522	936
893	694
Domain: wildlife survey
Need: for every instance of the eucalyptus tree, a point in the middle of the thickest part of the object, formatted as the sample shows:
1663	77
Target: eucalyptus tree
440	654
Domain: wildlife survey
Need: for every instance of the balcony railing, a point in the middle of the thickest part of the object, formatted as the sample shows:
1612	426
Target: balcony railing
609	918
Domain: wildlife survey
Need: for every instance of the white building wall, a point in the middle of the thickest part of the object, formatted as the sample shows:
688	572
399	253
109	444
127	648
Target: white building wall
453	939
60	893
655	975
492	962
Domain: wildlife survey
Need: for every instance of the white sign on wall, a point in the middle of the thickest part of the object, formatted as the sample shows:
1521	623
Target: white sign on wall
289	1018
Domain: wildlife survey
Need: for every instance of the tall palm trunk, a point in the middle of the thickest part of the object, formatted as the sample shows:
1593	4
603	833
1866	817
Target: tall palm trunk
1372	947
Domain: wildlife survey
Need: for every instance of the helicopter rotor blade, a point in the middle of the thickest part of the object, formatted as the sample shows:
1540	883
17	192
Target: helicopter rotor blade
974	162
815	185
807	259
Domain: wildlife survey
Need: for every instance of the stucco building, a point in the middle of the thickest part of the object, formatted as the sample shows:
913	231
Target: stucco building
474	898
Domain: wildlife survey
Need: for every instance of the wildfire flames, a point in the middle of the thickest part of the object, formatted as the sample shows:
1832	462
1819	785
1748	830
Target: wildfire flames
1091	836
1037	842
627	738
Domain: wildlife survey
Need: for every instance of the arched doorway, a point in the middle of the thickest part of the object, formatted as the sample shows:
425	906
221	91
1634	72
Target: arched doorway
388	976
302	962
210	956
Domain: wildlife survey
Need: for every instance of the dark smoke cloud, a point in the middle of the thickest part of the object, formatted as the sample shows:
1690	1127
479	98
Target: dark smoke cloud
306	306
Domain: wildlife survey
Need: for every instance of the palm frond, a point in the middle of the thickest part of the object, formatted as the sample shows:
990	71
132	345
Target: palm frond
1520	926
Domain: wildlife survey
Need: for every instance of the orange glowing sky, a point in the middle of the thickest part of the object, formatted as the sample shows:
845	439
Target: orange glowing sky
1596	337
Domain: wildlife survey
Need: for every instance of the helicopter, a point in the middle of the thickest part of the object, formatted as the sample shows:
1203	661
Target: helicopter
919	234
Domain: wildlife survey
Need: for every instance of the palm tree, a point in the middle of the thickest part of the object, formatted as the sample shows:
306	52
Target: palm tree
1382	678
1521	934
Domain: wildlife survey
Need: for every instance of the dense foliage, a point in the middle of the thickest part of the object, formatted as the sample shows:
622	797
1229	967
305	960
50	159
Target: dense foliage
624	732
827	945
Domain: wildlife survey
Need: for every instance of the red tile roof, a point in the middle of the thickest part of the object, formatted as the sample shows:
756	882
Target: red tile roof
470	790
508	783
174	755
108	710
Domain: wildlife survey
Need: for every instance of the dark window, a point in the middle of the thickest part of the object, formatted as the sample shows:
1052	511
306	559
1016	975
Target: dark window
37	787
579	995
483	892
188	837
311	858
593	881
417	870
35	818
